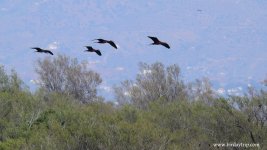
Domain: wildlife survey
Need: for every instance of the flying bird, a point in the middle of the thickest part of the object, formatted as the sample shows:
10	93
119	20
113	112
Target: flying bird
39	50
102	41
91	49
158	42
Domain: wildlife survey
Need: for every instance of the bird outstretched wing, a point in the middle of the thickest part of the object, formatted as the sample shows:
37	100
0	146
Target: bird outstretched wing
113	44
166	45
48	51
154	39
98	52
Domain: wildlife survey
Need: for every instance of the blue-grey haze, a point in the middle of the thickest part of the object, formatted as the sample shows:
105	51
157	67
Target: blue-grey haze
224	40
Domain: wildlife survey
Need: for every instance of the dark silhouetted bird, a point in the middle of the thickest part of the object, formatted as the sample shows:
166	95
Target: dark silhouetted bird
102	41
158	42
91	49
39	50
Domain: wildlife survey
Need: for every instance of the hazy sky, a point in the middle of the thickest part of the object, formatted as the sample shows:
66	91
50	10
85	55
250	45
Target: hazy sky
225	40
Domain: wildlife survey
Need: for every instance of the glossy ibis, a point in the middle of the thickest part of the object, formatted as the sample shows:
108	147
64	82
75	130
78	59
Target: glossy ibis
91	49
158	42
39	50
102	41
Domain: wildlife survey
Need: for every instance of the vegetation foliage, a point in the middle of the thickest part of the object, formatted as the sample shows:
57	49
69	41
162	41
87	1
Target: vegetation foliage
156	111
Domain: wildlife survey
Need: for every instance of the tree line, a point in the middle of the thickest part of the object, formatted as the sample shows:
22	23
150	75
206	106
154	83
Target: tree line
156	110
